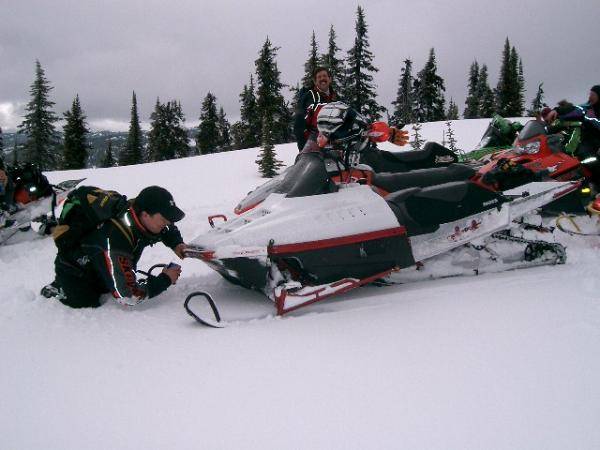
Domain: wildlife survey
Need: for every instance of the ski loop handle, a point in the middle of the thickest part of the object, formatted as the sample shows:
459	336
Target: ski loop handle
217	216
151	269
208	323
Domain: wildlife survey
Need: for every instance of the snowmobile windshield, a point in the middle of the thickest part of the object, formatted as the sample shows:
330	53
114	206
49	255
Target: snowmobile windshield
532	129
308	176
491	138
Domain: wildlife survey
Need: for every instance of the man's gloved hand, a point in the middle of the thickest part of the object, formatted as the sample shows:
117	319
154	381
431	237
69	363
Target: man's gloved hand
173	273
180	250
398	137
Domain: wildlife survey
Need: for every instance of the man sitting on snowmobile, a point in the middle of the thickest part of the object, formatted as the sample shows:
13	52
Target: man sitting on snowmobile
104	260
587	113
309	103
341	125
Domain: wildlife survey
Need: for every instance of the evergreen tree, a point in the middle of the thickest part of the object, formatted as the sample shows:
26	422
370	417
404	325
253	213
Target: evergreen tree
75	133
538	102
429	92
247	131
472	102
268	164
417	141
132	153
335	65
168	137
269	100
207	139
39	121
520	94
404	103
511	84
311	63
224	130
158	149
451	138
485	94
178	132
452	113
359	90
108	160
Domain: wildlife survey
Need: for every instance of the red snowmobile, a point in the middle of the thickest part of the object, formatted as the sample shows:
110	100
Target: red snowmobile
540	152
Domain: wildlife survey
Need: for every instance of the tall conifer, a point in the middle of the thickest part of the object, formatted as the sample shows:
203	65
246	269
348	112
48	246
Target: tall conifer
404	103
38	124
75	137
429	92
133	151
360	89
207	139
472	102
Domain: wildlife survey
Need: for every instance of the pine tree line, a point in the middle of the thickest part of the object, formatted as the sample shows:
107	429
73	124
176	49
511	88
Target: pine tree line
420	98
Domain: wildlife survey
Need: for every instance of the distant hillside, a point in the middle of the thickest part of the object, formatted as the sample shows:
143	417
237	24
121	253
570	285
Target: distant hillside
98	141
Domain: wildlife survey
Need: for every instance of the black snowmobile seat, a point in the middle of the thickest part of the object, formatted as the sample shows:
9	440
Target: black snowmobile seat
392	182
423	210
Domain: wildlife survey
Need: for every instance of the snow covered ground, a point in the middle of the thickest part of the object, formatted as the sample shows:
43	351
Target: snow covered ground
498	361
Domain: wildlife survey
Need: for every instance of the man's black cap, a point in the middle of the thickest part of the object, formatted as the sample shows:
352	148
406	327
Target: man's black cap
155	199
596	89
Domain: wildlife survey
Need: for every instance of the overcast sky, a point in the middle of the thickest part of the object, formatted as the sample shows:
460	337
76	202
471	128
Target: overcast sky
182	49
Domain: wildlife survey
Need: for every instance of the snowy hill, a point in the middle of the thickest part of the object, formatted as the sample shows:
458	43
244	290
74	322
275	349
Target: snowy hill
498	361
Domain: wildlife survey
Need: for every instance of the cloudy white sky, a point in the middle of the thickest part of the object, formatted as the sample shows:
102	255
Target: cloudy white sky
181	49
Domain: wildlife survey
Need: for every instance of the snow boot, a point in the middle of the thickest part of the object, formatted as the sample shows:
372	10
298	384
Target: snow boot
53	290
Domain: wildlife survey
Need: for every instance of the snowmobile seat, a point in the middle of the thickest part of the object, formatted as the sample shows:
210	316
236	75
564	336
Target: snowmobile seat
429	152
392	182
422	211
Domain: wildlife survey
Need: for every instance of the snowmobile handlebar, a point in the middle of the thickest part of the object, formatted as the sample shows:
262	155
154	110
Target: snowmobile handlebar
216	216
151	269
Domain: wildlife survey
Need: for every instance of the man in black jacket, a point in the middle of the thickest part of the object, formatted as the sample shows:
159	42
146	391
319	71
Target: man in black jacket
309	103
106	259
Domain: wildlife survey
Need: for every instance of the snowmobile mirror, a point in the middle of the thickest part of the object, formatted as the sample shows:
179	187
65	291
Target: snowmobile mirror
209	322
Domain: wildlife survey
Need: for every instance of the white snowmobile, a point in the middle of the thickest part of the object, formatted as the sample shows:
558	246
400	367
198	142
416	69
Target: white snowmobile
312	237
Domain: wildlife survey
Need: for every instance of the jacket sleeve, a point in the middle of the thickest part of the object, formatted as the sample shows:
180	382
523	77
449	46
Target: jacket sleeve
300	119
171	236
116	269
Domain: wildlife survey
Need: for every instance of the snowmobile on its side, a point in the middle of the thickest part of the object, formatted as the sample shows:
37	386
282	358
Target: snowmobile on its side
316	235
34	201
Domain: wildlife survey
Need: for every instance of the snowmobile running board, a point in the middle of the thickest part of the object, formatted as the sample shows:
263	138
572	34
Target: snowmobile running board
287	301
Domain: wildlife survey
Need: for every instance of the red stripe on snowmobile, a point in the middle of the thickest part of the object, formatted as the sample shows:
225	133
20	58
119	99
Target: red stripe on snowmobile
567	190
343	285
335	242
239	211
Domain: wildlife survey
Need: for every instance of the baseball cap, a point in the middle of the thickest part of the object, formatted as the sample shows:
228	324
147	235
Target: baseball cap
156	199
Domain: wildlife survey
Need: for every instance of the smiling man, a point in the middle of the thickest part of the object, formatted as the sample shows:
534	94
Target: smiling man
309	103
104	260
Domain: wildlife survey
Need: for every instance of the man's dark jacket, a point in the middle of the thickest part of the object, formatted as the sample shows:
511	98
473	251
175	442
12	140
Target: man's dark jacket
309	103
106	260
